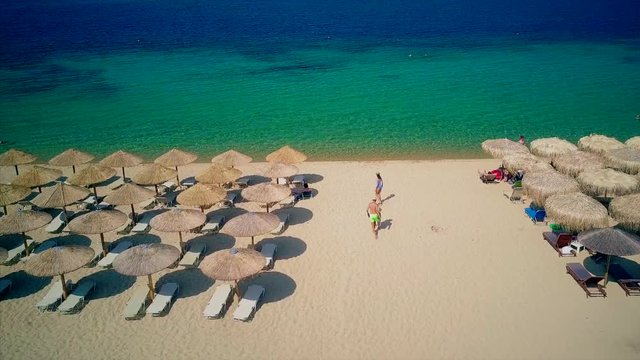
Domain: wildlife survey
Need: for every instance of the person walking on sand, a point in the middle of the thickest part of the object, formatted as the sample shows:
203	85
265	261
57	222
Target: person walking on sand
379	185
374	214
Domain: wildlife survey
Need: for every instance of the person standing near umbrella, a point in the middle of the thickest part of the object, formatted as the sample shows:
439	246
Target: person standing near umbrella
374	213
378	191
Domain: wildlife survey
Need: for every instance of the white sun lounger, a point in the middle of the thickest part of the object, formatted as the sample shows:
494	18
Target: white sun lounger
125	228
13	254
143	225
190	181
76	299
168	186
148	204
218	303
107	260
298	180
163	299
231	198
193	255
40	248
58	222
248	303
213	224
116	184
269	251
243	182
103	206
284	220
289	201
136	305
53	297
5	286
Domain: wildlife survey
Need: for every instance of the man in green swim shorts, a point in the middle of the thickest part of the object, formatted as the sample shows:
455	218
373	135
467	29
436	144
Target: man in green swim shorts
373	211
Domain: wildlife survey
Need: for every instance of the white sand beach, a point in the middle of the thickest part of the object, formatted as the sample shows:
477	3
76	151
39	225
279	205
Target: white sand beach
458	272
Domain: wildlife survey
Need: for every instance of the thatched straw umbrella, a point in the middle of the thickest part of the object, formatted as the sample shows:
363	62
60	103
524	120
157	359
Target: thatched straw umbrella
121	159
153	174
577	211
37	176
551	147
91	176
540	185
626	159
4	254
626	210
633	142
59	196
610	241
286	155
59	260
175	158
144	260
524	161
13	157
578	161
599	144
10	194
233	265
178	220
98	222
202	196
501	147
278	170
251	224
231	158
266	193
218	174
129	194
71	157
22	222
607	183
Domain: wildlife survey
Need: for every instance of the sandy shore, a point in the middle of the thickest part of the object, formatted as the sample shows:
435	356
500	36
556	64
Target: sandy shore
458	272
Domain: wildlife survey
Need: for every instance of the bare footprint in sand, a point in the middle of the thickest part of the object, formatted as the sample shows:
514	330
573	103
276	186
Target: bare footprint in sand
436	229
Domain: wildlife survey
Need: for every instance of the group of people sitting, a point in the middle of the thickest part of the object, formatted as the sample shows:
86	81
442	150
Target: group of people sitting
502	174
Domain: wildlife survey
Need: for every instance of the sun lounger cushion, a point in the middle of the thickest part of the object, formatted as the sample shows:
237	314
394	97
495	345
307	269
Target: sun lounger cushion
587	281
108	259
53	296
163	299
213	224
218	303
284	220
116	184
14	254
143	224
58	222
193	255
76	299
136	305
5	286
268	251
248	303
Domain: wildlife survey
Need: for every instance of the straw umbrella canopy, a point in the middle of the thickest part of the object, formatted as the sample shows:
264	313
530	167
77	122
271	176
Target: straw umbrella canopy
286	155
59	260
626	159
98	222
92	175
266	193
599	144
607	183
626	210
202	196
524	161
175	158
4	254
129	194
37	176
121	159
153	174
251	224
233	265
576	162
551	147
501	147
178	220
59	196
13	157
218	174
146	259
22	222
10	194
231	158
278	170
540	185
71	157
577	211
633	142
610	241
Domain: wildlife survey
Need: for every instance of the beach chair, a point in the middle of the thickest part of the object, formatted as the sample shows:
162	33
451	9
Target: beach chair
587	281
214	224
5	286
24	205
560	242
53	297
487	178
58	223
14	254
40	248
193	255
298	180
125	228
137	304
536	215
231	198
288	201
116	184
148	204
108	259
167	186
76	299
282	181
143	224
190	181
284	220
162	301
306	194
630	285
243	182
217	305
104	206
249	302
269	251
514	195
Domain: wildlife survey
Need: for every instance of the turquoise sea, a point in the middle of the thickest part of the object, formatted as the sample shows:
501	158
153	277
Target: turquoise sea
421	91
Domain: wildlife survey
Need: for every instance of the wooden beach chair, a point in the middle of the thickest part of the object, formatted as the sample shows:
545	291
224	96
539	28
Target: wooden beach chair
193	256
213	224
163	299
76	299
5	286
630	285
560	242
587	281
53	297
269	251
284	220
136	306
217	305
107	261
515	194
249	303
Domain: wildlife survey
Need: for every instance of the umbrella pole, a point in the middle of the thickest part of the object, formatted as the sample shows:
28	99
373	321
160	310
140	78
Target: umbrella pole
5	209
73	168
16	166
64	213
133	214
123	176
26	246
152	293
237	289
267	207
40	189
64	286
178	175
252	244
606	273
156	186
181	247
95	192
104	248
